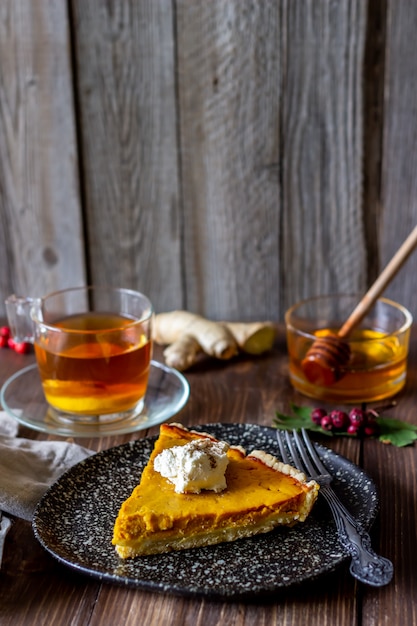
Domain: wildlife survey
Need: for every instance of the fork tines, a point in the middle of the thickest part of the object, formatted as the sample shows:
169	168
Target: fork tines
300	452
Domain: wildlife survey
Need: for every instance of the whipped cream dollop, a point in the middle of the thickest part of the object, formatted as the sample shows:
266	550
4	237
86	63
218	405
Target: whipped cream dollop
199	464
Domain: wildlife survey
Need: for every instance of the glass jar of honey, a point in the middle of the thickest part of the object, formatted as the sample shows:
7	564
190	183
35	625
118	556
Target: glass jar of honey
378	347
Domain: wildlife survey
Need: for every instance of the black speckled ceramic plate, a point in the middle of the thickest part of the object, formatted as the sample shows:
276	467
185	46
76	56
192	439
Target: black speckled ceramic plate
74	522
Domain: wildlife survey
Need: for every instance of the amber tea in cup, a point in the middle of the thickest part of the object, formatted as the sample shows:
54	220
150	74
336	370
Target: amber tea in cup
93	350
377	367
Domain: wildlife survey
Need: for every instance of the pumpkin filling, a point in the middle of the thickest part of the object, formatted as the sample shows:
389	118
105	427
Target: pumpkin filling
260	494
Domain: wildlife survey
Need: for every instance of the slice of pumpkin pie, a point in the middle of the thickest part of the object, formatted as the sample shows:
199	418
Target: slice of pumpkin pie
198	491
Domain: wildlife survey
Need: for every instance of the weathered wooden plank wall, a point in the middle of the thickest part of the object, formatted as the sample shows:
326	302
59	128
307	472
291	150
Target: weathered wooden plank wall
229	157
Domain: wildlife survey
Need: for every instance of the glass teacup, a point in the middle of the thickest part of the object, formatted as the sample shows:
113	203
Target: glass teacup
93	349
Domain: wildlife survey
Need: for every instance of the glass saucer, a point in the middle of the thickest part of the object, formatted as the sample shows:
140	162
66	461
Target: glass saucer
22	397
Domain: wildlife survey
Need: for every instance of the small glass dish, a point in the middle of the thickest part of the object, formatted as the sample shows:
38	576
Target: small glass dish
377	367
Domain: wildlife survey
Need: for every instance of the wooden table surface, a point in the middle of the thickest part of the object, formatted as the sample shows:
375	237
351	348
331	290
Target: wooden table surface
36	589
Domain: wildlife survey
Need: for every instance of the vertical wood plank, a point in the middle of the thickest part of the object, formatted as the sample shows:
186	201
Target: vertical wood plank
323	239
373	89
125	66
399	158
41	247
229	93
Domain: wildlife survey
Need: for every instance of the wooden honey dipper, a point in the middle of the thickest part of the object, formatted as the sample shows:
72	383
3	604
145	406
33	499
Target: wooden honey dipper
326	358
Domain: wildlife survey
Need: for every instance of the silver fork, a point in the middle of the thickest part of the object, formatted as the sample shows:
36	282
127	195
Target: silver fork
366	565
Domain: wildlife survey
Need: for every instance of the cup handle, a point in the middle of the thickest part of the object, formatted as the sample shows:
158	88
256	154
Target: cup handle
18	312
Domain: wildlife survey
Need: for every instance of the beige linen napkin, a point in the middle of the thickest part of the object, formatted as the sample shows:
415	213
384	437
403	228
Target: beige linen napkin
27	469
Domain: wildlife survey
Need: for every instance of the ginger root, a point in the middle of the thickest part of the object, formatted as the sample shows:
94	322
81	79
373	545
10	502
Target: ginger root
187	334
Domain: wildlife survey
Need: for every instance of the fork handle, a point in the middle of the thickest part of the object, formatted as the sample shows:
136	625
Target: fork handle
366	565
5	524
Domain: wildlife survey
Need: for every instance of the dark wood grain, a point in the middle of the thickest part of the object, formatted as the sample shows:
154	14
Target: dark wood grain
36	589
395	471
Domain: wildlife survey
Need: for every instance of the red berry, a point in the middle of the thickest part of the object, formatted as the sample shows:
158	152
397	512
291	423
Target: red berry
340	419
357	417
370	430
371	426
4	342
11	343
326	423
5	331
352	429
317	415
22	347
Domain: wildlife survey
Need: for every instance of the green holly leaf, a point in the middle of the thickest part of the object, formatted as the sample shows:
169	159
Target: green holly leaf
301	418
396	432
